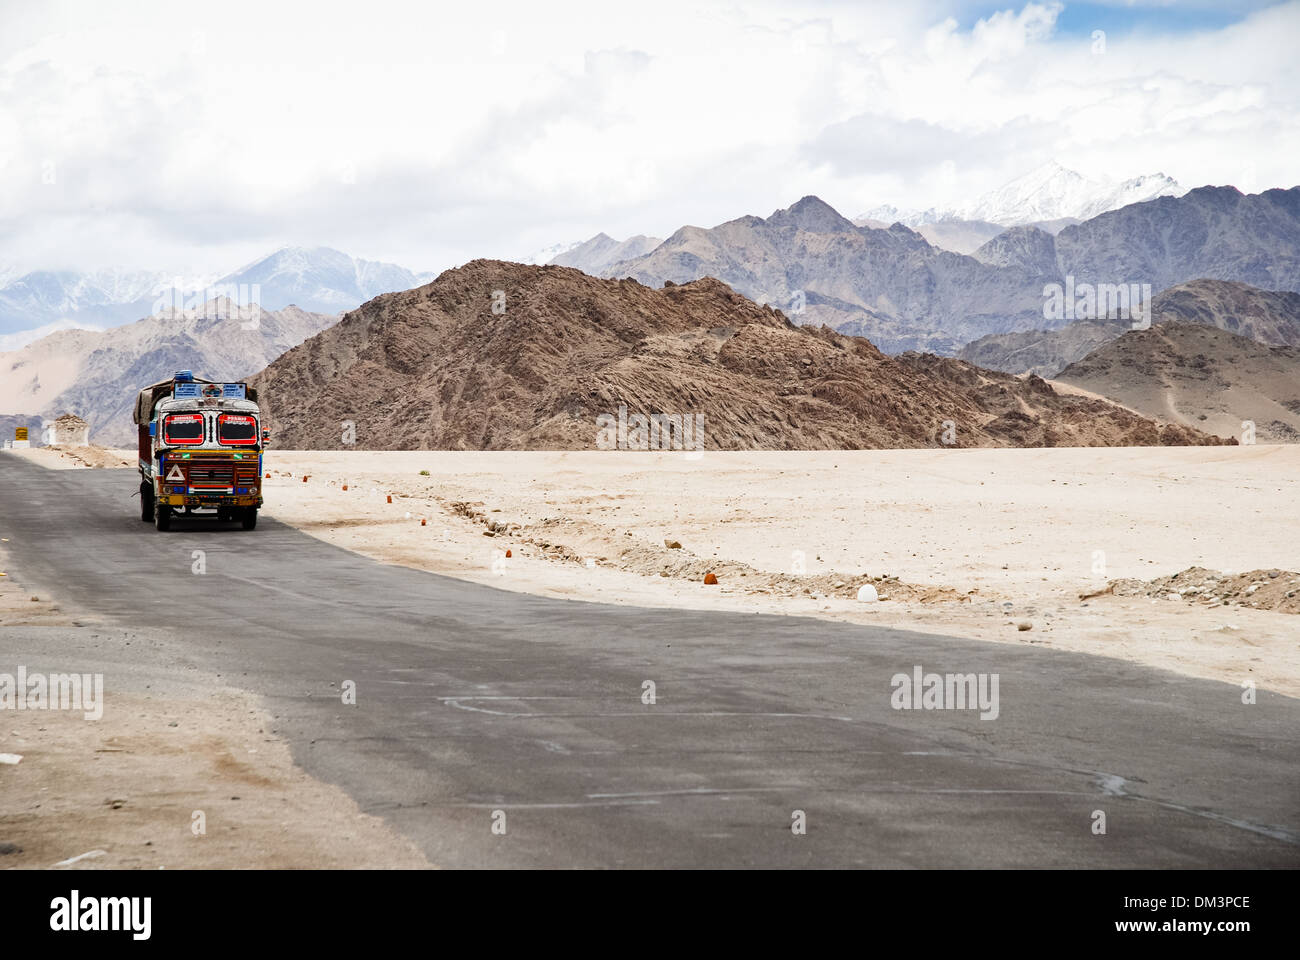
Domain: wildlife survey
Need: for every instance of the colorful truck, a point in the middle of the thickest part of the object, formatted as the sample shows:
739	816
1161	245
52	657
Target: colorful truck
201	446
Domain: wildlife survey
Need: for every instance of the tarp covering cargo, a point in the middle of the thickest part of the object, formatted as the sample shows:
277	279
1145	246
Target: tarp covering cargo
149	397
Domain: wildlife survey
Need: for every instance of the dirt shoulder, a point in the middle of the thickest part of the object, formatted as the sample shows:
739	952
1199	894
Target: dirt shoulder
176	782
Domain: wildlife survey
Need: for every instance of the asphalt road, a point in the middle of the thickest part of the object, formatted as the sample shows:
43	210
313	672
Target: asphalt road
472	700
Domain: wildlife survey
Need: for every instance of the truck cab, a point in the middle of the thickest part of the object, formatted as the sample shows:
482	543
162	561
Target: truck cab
200	448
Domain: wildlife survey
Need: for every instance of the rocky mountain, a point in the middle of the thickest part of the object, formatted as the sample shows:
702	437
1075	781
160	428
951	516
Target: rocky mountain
1024	248
570	355
1211	232
893	287
603	251
1199	376
315	279
96	374
1050	192
1268	317
1044	353
888	285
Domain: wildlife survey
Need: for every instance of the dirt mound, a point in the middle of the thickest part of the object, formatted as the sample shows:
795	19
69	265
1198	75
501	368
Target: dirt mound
72	458
497	355
1259	589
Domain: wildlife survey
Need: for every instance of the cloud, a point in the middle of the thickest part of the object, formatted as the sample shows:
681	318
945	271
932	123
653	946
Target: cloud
430	135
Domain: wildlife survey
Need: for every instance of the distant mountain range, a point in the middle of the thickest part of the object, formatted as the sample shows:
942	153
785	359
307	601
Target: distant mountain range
316	279
818	267
893	287
54	299
1049	193
96	374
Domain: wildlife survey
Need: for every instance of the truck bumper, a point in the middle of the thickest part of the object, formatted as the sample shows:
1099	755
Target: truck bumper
209	500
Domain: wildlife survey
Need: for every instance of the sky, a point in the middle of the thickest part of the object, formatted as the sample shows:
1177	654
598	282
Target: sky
194	139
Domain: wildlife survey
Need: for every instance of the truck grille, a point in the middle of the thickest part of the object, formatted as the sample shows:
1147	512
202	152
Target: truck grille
211	474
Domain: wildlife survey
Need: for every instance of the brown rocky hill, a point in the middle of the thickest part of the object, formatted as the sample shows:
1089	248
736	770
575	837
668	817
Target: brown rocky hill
436	368
1199	376
1266	316
1042	352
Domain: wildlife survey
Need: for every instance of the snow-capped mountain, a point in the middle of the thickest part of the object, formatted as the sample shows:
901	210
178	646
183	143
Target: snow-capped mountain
547	254
321	279
104	298
1050	192
1133	190
909	216
317	279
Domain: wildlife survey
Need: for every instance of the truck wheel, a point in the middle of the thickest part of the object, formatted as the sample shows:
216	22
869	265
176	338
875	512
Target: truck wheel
146	502
250	518
162	516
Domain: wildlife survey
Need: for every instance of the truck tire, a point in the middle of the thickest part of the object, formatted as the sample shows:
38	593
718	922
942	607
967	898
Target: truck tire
250	518
146	502
162	516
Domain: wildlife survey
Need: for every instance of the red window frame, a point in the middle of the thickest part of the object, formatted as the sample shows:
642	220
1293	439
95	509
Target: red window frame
183	441
223	417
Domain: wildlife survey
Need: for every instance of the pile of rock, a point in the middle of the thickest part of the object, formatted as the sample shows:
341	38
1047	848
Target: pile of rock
1269	589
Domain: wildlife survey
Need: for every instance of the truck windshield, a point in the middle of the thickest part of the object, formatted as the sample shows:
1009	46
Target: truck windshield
183	428
236	430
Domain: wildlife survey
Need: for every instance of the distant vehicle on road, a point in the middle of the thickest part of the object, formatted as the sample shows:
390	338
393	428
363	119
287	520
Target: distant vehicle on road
201	447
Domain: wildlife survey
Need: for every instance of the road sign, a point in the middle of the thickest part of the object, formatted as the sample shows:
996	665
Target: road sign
20	433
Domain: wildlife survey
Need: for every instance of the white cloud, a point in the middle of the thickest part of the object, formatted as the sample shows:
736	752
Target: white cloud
431	134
